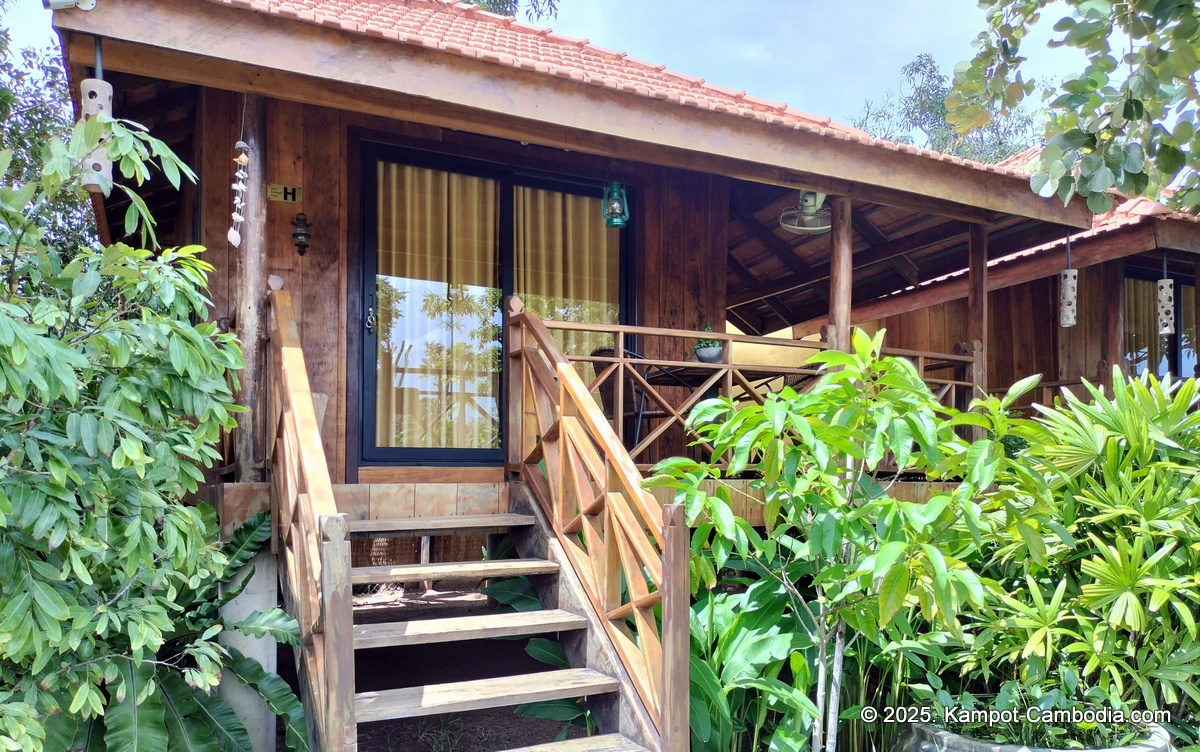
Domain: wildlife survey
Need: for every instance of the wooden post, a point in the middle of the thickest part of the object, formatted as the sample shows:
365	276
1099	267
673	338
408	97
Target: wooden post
514	378
977	303
1112	350
341	727
841	272
251	282
1196	323
676	600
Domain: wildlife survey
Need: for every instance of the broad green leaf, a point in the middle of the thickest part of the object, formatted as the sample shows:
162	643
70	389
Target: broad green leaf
187	730
278	695
134	727
272	623
553	710
892	592
217	715
547	651
517	592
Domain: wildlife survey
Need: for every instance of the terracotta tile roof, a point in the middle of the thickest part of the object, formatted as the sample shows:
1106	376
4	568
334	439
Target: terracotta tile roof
463	29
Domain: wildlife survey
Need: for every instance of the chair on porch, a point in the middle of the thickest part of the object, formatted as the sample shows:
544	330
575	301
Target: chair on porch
637	406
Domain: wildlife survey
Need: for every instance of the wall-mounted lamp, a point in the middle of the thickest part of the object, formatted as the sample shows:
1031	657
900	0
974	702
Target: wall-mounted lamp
616	203
301	233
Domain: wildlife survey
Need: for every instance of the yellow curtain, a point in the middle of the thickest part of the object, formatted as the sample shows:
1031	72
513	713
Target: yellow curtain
567	263
1145	350
438	303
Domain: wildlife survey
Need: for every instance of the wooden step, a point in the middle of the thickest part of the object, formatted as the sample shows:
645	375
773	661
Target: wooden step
457	628
606	743
462	570
459	697
410	526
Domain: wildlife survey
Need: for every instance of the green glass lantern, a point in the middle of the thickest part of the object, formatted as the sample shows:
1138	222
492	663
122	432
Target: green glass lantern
616	203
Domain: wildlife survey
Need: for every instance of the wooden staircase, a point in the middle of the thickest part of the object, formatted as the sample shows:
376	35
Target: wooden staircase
603	556
479	694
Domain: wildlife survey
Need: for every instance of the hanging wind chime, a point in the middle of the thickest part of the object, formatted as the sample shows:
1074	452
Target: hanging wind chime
1068	292
1166	302
97	97
242	160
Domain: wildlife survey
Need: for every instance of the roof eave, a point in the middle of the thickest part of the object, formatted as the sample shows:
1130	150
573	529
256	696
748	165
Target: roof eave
589	117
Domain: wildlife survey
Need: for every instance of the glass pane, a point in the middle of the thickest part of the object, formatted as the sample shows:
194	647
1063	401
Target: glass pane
1145	350
567	263
438	299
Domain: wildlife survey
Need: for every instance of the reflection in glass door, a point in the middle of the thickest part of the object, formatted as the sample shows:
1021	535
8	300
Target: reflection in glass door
435	303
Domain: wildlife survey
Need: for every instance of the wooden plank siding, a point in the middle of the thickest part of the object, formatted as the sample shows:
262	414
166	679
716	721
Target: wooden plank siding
1023	333
679	232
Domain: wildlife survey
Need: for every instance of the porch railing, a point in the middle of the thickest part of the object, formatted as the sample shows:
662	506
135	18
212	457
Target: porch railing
310	538
630	553
629	364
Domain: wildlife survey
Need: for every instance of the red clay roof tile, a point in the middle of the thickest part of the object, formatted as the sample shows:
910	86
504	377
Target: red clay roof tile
464	29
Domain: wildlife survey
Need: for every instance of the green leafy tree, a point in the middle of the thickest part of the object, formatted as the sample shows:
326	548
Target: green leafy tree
847	573
1127	120
35	107
111	399
534	9
918	115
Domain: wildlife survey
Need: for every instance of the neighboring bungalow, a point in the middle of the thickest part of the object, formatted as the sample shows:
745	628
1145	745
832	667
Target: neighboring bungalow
426	186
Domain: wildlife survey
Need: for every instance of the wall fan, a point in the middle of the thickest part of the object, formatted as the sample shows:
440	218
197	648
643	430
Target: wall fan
808	216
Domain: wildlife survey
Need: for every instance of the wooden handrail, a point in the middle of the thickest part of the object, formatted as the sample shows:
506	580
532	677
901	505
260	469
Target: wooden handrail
312	541
951	376
630	555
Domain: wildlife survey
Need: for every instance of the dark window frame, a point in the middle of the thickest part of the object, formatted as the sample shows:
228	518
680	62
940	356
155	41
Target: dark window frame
508	177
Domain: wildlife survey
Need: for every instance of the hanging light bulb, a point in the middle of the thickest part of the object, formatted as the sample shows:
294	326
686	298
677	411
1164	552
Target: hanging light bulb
616	204
1166	302
1068	292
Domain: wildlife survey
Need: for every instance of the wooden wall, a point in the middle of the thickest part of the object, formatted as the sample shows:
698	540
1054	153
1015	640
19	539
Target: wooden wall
1024	337
678	231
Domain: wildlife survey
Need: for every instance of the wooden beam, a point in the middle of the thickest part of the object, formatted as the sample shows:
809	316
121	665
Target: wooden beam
232	48
821	272
1095	250
977	303
841	277
903	265
748	277
1112	347
745	321
250	292
775	245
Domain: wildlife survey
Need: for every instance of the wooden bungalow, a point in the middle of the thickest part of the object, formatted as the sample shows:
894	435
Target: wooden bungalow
444	335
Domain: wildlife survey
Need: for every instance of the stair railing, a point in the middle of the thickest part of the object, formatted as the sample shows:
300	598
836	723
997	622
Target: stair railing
310	539
630	553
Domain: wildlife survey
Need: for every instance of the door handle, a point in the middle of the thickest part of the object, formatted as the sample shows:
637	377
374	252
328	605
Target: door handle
370	320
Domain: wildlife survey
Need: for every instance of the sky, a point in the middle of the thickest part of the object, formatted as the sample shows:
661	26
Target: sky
819	56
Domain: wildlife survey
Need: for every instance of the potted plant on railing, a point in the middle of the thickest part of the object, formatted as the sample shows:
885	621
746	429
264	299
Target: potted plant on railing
708	350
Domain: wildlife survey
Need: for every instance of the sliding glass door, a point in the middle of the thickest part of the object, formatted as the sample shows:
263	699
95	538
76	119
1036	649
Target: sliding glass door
443	245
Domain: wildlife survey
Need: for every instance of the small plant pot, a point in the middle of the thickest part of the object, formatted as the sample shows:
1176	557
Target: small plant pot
924	738
709	354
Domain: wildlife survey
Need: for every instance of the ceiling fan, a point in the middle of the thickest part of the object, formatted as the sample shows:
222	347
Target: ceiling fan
808	216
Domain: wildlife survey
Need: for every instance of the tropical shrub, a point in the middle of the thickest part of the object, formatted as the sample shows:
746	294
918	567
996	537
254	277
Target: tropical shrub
1058	569
111	398
1098	574
847	576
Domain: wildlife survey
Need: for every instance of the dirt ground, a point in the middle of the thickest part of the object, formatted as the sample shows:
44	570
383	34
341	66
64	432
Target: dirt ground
387	668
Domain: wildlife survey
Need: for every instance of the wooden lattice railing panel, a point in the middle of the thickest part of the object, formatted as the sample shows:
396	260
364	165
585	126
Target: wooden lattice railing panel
310	538
613	531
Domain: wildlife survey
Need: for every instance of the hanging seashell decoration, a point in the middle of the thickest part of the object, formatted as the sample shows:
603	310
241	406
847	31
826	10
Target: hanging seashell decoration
1166	307
1068	294
239	192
